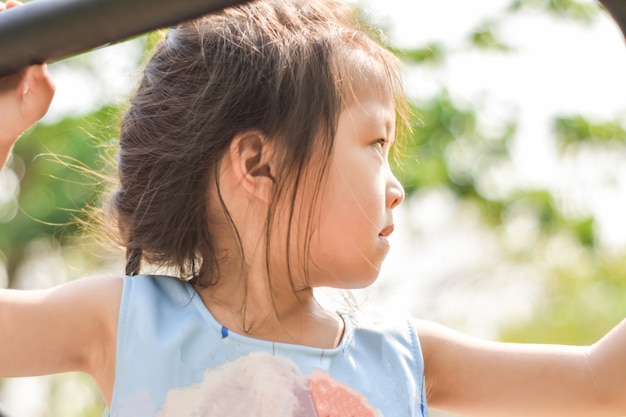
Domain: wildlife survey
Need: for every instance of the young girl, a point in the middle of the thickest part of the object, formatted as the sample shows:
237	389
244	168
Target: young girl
253	162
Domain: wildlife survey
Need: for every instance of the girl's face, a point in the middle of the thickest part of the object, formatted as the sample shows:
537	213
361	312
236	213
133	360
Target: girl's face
357	200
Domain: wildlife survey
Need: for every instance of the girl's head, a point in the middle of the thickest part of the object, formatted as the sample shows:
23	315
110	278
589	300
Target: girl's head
279	72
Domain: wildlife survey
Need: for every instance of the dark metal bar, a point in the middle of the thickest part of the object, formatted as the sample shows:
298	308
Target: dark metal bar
49	30
617	8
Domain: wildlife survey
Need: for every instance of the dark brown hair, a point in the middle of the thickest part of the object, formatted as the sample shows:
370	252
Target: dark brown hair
282	68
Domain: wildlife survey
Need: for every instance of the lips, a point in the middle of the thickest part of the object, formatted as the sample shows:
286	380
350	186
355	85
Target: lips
386	231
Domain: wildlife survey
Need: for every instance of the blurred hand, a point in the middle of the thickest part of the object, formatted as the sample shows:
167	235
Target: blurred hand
24	99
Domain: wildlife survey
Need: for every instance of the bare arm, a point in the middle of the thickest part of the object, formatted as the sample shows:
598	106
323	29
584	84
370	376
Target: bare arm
480	378
72	327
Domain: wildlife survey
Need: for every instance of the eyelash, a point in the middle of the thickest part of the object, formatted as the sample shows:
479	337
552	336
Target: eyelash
382	142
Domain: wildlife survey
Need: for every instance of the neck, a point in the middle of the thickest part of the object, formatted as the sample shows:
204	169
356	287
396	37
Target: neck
269	308
246	298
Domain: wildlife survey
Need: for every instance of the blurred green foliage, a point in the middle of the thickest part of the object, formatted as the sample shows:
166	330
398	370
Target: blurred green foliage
486	37
433	53
57	166
582	302
447	147
579	10
576	130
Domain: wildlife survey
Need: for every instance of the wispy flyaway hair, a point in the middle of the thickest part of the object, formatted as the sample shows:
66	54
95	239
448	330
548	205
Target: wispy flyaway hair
285	69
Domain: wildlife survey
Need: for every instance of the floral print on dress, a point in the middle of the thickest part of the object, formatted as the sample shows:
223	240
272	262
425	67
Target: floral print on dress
262	385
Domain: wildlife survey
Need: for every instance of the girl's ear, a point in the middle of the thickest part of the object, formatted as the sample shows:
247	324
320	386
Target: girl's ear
250	154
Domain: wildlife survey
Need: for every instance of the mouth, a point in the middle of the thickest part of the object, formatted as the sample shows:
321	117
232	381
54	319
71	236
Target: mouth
386	231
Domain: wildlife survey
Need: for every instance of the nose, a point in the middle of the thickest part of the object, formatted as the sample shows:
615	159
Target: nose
394	191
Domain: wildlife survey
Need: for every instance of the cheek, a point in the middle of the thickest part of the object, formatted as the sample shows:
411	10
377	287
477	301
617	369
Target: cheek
360	195
354	196
347	218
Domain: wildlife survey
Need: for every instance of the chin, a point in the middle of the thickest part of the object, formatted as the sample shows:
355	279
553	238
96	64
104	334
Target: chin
348	275
364	283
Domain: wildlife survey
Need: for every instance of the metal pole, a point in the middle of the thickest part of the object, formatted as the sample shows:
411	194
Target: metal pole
49	30
617	9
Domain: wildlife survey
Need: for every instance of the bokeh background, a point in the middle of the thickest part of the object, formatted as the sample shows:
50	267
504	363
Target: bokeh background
513	228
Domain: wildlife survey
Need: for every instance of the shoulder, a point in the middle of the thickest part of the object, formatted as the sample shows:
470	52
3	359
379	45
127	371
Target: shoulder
157	287
75	310
111	308
91	300
95	301
387	343
152	306
394	323
92	305
455	363
392	330
152	295
76	322
440	343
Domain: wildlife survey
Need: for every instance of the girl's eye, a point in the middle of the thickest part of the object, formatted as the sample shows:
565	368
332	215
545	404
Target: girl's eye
380	144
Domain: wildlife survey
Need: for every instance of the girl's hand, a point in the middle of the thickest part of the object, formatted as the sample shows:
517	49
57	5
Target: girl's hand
24	99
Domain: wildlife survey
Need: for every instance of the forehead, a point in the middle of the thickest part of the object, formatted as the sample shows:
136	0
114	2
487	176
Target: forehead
362	77
367	94
371	110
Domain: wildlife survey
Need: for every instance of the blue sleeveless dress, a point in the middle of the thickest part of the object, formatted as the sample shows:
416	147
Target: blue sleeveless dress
175	359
